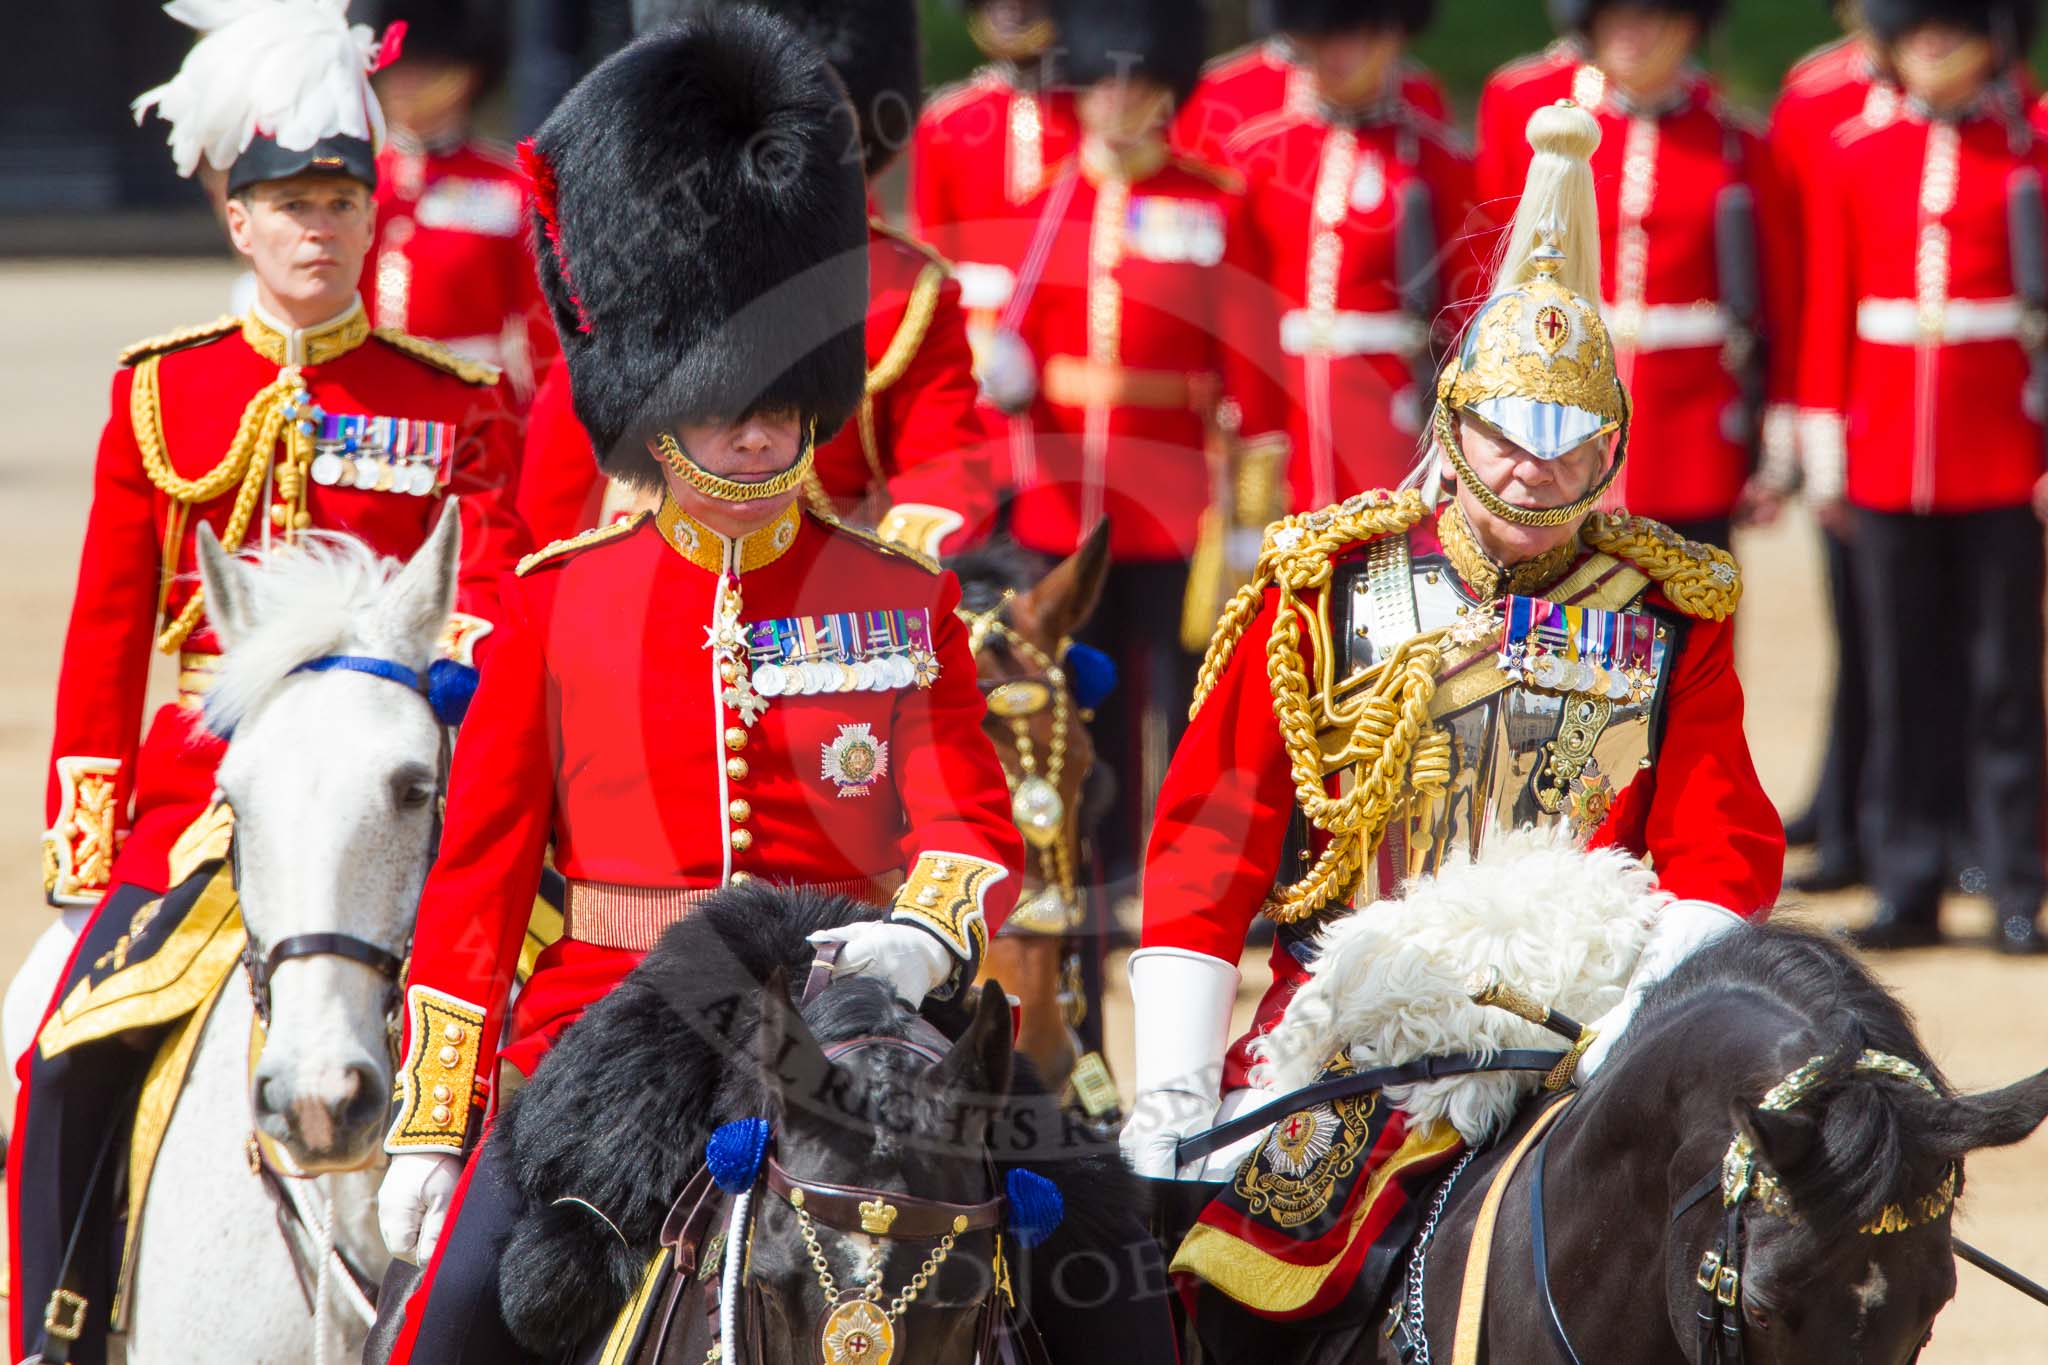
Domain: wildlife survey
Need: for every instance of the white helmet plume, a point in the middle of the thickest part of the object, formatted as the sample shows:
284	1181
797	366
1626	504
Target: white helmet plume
292	70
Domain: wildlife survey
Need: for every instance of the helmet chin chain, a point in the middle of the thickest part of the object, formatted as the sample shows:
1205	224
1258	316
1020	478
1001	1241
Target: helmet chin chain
721	489
1447	437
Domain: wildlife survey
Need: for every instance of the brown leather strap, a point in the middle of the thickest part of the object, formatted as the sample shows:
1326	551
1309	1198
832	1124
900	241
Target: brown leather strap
689	1218
1472	1298
851	1208
822	964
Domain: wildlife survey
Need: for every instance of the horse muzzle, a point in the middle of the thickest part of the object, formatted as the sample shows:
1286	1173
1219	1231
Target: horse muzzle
327	1116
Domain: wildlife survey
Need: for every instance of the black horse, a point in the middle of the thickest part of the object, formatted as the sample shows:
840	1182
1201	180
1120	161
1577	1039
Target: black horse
1770	1060
926	1113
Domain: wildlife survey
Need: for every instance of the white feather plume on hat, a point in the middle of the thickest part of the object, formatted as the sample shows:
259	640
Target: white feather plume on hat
293	70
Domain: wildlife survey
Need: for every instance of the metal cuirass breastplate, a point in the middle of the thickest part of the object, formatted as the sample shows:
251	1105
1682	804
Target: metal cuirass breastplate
1522	755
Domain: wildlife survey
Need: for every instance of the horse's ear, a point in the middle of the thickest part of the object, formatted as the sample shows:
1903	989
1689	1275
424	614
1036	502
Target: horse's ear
225	589
1995	1118
416	609
1061	602
789	1057
1781	1137
979	1064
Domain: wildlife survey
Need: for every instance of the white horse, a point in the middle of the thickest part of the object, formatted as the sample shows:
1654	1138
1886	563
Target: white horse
333	777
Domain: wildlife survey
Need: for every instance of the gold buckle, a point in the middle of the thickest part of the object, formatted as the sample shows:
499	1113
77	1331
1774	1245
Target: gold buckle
1729	1289
64	1318
1710	1271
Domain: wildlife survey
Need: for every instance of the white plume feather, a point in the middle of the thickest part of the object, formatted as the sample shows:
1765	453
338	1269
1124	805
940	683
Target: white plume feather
293	70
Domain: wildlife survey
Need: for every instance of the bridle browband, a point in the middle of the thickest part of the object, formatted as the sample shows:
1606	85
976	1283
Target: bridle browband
1743	1184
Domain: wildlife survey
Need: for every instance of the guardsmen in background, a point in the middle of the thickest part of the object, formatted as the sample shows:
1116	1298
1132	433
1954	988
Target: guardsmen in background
450	261
1143	360
1696	253
1925	289
1359	213
917	461
292	418
1824	90
1273	76
981	151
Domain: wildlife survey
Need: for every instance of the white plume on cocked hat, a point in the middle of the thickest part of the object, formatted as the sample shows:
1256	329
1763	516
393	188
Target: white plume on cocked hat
292	71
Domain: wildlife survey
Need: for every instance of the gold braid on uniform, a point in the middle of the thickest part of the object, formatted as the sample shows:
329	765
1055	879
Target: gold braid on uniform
263	425
439	356
1390	743
1700	580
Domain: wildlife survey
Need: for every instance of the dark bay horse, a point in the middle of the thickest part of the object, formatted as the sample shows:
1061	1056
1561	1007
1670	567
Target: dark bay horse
1774	1055
896	1142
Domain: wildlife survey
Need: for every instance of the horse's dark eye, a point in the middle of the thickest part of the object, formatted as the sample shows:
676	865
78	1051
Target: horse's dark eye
1759	1318
414	795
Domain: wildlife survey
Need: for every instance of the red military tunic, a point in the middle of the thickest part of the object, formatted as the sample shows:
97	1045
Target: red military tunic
980	152
1260	80
917	459
451	260
607	725
1911	352
138	571
1149	315
1325	205
1659	176
1228	798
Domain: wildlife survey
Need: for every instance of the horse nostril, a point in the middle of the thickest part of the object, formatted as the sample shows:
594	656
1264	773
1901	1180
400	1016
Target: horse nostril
270	1095
361	1096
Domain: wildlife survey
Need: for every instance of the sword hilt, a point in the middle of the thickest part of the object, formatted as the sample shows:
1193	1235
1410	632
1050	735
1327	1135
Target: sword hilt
1491	989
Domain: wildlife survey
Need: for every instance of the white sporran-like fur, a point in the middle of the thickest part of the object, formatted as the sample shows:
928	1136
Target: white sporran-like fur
1562	923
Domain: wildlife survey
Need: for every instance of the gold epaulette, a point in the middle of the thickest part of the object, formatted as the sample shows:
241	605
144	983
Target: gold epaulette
1700	580
596	535
1222	177
1298	554
180	339
439	356
911	240
910	333
887	547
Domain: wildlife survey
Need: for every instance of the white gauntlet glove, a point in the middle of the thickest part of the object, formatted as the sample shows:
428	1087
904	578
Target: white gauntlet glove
1682	929
413	1203
1181	1002
913	962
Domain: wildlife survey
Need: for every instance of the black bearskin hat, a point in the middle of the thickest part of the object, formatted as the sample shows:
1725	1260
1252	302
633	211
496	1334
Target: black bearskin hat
467	32
702	236
1315	17
872	44
2009	23
1576	16
1162	40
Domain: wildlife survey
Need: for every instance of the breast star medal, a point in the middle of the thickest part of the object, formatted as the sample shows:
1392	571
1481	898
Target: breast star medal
857	1332
855	760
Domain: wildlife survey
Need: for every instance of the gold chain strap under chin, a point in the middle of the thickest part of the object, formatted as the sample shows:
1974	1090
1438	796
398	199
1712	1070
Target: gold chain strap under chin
262	426
872	1290
722	489
1447	438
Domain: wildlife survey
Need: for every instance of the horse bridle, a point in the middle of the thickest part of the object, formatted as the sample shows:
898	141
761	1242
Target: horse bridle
1743	1184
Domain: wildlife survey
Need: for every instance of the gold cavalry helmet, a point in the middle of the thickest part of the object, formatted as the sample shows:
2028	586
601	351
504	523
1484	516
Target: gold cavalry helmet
1537	363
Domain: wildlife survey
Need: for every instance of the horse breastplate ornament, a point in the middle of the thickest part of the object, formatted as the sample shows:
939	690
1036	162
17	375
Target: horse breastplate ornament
1549	708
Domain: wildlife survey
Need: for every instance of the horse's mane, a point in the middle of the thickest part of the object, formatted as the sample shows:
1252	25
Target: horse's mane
305	600
1874	1130
618	1113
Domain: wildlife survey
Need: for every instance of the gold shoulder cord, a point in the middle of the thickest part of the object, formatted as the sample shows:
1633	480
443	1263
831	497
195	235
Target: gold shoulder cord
439	356
1389	741
1701	580
263	425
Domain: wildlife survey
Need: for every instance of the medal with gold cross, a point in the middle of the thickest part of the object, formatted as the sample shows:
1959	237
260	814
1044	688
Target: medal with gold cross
727	641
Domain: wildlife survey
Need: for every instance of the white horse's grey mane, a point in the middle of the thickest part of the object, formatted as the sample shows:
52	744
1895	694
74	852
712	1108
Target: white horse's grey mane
313	598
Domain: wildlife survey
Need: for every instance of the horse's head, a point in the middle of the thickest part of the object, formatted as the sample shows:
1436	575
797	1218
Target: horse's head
880	1175
1020	625
333	773
1838	1142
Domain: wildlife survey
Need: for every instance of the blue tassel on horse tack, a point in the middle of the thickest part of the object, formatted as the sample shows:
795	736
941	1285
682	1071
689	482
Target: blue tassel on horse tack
450	686
1035	1206
734	1151
1093	674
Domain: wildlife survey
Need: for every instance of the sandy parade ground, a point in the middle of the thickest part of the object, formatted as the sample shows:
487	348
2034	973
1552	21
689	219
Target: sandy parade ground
1985	1018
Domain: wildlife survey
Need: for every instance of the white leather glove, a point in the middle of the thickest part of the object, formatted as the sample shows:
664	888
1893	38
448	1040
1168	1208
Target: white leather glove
913	962
1682	929
1009	373
413	1203
1181	1003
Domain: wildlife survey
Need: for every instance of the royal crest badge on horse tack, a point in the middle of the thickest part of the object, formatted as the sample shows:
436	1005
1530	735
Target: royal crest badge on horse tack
856	1332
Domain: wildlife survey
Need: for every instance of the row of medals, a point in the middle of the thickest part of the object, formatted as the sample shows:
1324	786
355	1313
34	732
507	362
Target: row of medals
881	674
333	469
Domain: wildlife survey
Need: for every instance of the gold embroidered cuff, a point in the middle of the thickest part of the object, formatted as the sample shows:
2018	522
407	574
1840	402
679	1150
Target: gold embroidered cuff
438	1086
944	895
78	848
459	637
920	526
